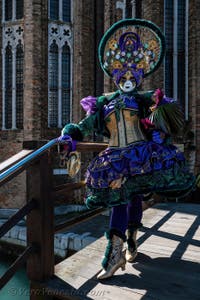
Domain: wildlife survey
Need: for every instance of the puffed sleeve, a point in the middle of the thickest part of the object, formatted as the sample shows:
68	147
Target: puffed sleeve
92	122
166	114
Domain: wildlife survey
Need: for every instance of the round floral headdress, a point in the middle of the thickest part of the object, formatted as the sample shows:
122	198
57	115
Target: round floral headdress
132	44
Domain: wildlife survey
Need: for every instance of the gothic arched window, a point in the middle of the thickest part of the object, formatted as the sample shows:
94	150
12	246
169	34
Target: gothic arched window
8	87
19	85
66	66
53	85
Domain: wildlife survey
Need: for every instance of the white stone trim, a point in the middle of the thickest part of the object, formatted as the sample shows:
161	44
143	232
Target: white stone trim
133	3
12	34
122	5
3	11
61	33
13	10
60	14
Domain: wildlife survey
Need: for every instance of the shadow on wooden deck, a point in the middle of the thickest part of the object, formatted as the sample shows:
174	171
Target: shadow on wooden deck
167	266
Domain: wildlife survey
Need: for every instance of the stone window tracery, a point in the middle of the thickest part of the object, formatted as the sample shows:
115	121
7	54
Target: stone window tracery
66	65
19	85
53	85
8	87
12	64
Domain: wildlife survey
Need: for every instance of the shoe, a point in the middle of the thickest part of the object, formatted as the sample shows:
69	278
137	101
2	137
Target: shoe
131	251
114	257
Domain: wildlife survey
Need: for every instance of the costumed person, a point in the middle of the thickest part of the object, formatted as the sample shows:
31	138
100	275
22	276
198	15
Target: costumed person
139	124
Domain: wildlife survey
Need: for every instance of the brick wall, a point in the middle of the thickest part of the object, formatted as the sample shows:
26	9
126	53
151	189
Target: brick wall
12	194
153	11
35	69
112	15
84	54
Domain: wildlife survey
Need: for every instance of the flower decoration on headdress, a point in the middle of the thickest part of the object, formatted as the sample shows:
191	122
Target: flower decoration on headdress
131	44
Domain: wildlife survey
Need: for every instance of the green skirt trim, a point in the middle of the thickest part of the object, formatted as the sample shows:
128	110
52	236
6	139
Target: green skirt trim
168	183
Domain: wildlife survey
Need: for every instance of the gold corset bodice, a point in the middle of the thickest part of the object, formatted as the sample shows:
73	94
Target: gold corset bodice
124	131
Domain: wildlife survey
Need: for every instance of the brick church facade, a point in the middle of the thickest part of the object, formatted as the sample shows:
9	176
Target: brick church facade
49	62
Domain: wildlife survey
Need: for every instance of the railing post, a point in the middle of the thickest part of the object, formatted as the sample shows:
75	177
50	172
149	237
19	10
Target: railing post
40	225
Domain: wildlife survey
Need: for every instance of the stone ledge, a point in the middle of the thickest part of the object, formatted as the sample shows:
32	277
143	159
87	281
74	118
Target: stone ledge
63	242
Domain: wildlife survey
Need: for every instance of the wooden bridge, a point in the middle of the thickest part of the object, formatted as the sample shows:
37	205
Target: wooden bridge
167	266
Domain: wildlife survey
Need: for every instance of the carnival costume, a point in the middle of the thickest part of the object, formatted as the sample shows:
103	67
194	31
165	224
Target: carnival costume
139	158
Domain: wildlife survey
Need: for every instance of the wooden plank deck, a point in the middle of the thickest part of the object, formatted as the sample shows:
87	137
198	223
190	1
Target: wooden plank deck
167	266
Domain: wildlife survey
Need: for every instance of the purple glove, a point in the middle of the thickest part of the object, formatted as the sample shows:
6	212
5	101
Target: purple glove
67	140
157	137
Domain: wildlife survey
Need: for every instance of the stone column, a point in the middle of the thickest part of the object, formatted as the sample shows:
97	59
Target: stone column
153	10
83	54
114	11
35	68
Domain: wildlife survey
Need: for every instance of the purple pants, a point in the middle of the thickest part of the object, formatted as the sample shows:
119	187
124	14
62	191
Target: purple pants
127	214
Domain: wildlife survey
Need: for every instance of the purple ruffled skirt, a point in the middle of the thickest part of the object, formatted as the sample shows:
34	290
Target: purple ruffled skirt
140	158
144	166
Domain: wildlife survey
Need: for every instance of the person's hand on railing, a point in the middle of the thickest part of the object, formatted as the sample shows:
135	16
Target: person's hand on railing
69	157
65	146
67	143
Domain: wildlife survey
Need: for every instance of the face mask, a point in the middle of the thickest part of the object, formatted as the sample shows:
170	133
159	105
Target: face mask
127	85
127	82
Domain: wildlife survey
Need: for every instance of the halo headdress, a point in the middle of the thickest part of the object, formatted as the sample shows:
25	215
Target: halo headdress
132	44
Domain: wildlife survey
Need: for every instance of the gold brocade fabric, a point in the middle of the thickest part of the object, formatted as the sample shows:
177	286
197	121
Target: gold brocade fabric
124	133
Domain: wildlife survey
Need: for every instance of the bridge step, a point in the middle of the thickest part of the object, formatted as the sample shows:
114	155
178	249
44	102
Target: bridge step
167	265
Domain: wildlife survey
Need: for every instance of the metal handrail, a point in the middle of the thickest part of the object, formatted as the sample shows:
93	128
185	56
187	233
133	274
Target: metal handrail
6	174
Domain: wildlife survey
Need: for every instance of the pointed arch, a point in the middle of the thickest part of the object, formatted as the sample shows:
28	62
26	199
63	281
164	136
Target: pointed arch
66	78
53	85
19	85
8	87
